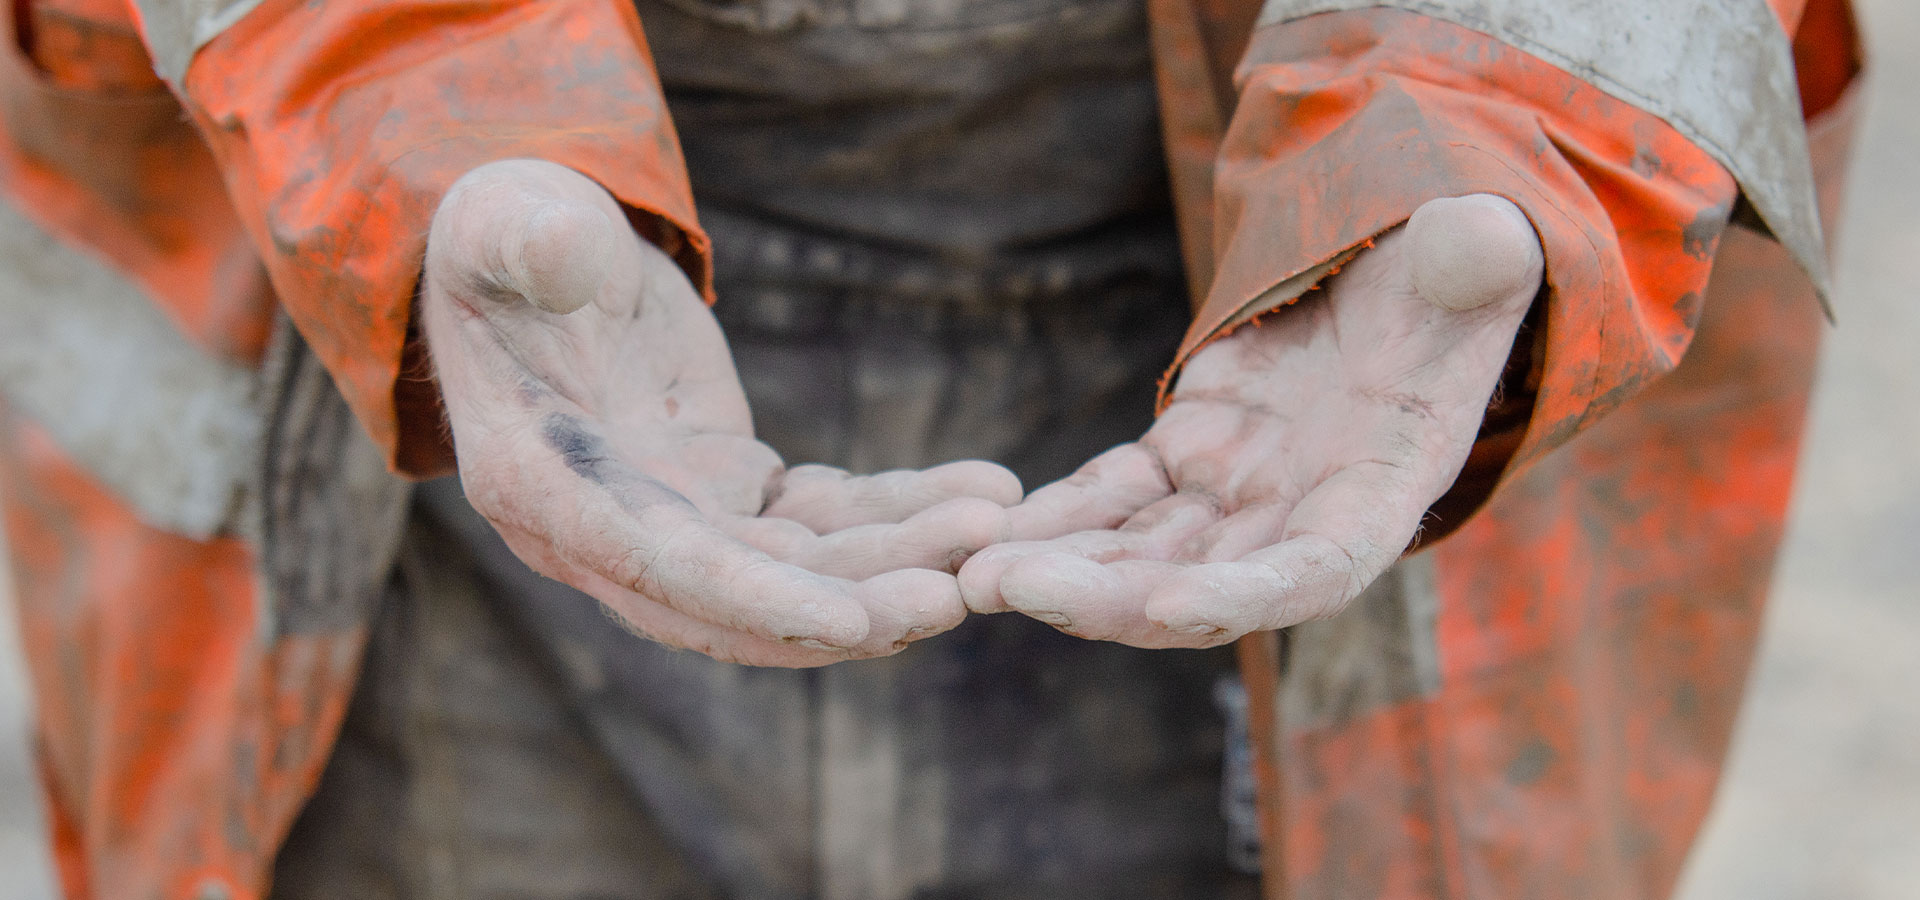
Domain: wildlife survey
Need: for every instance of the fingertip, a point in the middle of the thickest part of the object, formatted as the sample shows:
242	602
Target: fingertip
565	258
911	604
526	229
979	578
1468	252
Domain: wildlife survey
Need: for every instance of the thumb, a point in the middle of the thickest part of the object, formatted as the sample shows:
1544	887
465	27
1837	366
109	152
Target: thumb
1467	252
525	230
558	259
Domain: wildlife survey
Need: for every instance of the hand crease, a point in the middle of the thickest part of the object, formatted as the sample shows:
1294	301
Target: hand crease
1406	402
642	573
1232	398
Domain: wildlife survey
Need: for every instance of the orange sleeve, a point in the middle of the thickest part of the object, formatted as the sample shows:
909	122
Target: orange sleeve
1347	122
338	126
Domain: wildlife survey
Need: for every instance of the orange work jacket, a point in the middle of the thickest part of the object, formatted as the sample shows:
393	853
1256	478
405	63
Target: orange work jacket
1592	611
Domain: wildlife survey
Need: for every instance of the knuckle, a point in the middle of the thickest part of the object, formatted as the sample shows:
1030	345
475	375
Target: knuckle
636	566
630	567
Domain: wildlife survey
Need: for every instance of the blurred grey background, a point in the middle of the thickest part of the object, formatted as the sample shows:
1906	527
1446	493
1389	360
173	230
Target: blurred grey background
1822	799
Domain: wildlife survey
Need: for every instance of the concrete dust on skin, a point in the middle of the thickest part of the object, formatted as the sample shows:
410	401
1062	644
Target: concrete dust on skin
1822	798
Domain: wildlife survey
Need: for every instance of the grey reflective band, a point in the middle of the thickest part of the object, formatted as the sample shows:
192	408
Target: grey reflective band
1719	71
169	429
176	29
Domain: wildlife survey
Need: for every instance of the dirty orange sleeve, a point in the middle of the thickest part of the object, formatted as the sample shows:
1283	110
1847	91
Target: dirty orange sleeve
1348	122
339	126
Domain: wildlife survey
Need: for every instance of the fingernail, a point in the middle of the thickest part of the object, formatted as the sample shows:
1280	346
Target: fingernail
816	644
1049	616
1201	629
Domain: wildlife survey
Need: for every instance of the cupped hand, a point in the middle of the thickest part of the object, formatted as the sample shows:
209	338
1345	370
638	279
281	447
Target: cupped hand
600	427
1298	454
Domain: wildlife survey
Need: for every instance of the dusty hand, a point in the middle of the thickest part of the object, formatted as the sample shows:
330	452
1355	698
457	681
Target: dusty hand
600	427
1297	457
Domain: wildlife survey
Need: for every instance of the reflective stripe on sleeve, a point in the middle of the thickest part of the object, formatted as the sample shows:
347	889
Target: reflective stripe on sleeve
1720	72
84	353
175	29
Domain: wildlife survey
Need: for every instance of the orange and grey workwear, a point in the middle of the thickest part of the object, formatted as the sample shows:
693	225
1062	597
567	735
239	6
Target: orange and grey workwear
208	279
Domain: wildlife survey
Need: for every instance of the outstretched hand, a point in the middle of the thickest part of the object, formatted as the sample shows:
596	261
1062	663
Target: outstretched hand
600	427
1296	459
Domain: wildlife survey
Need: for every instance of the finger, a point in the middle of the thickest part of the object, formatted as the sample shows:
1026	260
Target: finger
1303	578
676	558
526	230
908	605
1105	492
603	517
1082	509
1169	522
663	625
1094	601
982	577
704	574
1153	533
1342	536
1251	528
782	539
826	499
941	538
903	606
1467	252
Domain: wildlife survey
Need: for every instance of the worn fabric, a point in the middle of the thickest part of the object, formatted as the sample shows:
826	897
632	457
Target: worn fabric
1628	211
258	634
175	741
509	739
1720	72
313	111
1594	628
461	772
169	428
889	183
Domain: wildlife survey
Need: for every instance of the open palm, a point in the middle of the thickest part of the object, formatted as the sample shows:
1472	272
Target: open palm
1297	457
600	427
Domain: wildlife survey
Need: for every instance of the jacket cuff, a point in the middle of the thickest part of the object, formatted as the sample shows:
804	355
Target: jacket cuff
340	126
1348	122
